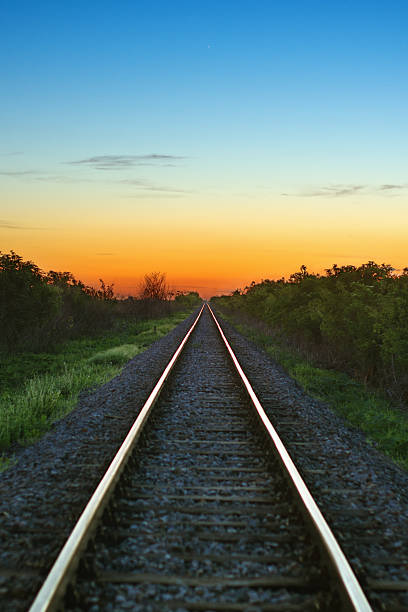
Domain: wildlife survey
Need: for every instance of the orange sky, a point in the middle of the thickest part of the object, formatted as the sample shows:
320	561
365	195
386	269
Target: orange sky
212	247
219	144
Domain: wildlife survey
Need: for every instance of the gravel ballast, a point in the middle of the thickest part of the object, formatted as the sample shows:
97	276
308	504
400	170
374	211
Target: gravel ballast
44	493
201	508
362	493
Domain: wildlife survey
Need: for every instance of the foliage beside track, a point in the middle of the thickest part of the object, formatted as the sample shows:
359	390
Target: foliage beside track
343	336
58	336
39	388
385	425
353	319
39	310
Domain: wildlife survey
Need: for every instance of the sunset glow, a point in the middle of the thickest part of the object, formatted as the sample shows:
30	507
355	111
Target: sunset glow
220	144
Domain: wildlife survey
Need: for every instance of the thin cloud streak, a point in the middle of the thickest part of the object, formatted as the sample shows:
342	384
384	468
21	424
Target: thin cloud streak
151	194
37	176
18	173
117	162
389	187
191	287
335	191
5	224
59	178
143	185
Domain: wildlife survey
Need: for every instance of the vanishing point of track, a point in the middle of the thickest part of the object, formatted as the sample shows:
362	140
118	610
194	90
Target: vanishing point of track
202	507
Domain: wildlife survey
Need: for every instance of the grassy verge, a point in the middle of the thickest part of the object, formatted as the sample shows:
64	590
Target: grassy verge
384	424
37	389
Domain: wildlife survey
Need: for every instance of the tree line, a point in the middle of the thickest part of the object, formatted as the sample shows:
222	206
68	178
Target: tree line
353	318
38	309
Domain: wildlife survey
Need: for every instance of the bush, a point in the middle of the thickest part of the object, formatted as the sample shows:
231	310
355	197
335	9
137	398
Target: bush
351	318
27	302
38	310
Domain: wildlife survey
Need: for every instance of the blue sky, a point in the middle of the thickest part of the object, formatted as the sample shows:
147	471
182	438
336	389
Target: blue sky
249	100
260	80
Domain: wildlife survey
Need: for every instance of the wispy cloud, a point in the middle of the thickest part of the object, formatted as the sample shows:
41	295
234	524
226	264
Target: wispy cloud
191	287
42	176
18	173
335	191
5	224
60	178
151	194
390	187
140	185
118	162
146	186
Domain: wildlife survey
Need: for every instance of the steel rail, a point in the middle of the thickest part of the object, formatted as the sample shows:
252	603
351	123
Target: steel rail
61	572
352	589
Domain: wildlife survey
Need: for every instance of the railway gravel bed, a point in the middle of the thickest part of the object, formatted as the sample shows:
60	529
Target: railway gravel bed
42	496
202	512
363	495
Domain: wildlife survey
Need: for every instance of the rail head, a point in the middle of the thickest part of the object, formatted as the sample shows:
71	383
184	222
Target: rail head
354	595
54	587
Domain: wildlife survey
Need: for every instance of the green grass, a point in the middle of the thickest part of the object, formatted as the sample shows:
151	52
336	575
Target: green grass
385	425
16	369
118	355
37	389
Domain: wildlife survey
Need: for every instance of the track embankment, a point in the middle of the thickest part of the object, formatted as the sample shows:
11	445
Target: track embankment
204	502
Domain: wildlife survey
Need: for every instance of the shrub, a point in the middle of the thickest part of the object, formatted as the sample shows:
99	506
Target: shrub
352	318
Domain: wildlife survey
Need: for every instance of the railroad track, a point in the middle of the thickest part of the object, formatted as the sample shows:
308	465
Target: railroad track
202	507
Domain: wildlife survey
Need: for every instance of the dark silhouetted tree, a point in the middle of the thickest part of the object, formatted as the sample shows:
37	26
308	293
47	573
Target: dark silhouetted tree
154	287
